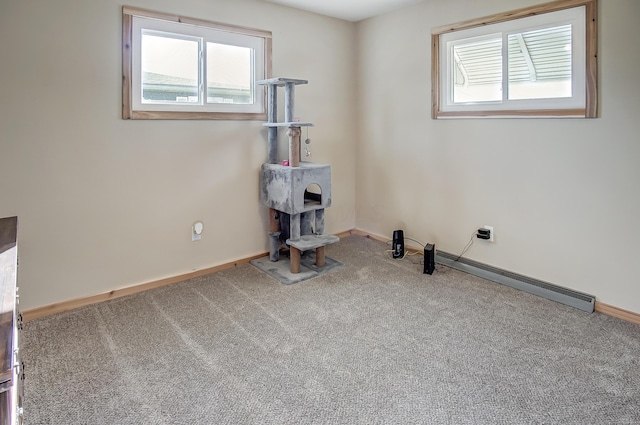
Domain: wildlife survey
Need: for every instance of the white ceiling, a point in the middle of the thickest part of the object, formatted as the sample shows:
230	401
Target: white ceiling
349	10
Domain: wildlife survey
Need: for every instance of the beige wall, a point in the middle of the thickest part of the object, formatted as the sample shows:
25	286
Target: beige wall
562	194
105	203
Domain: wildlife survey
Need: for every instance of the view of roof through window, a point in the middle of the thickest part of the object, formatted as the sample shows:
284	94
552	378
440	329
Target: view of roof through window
538	65
171	71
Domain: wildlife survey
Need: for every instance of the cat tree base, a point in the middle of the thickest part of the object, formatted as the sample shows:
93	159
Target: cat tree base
281	269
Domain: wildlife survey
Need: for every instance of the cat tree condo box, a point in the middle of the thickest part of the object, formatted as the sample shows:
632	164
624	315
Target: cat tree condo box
293	190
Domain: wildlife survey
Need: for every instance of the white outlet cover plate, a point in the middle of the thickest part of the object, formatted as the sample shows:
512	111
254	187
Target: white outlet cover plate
194	235
491	230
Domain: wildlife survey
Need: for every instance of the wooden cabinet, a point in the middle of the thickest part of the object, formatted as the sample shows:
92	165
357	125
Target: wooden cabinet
11	367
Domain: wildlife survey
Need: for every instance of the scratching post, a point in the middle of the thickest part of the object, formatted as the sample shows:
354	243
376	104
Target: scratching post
294	146
320	258
294	255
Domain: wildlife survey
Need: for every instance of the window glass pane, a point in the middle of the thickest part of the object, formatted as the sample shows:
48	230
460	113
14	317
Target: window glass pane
540	63
229	76
169	69
477	70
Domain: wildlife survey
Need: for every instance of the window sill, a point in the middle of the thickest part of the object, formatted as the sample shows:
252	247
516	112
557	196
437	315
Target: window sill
534	113
162	115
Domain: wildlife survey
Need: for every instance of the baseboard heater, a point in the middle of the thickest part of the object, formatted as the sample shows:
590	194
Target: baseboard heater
537	287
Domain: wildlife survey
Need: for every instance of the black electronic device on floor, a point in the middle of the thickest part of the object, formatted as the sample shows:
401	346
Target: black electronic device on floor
429	258
398	244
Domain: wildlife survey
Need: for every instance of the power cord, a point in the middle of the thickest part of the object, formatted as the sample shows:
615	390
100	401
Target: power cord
419	243
406	253
467	247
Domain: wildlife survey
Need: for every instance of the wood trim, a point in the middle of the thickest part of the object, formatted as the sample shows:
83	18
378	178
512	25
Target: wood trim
512	15
171	115
619	313
128	13
346	233
435	76
533	113
63	306
146	13
373	236
268	55
39	312
591	74
127	71
268	59
591	65
384	239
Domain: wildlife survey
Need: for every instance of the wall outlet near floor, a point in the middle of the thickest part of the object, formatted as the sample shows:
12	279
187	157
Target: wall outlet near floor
196	231
491	236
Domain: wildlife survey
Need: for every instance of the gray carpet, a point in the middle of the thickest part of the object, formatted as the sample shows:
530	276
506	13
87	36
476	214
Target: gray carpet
375	342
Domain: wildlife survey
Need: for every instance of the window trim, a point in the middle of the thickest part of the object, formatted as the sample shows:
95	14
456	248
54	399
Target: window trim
128	112
591	65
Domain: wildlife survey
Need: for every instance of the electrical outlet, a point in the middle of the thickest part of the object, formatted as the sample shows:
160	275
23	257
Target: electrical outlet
490	228
196	231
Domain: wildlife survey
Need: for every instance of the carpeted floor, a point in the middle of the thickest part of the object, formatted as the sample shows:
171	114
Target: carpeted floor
375	342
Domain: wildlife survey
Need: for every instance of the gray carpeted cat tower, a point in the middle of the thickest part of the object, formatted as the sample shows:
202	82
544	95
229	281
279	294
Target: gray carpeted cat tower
297	193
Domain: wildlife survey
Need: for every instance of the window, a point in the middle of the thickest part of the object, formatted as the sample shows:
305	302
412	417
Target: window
533	62
183	68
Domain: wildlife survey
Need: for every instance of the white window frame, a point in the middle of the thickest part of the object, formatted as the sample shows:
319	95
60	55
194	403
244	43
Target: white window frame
135	21
580	14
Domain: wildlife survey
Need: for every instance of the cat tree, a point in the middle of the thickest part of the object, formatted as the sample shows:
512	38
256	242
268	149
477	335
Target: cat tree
289	189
